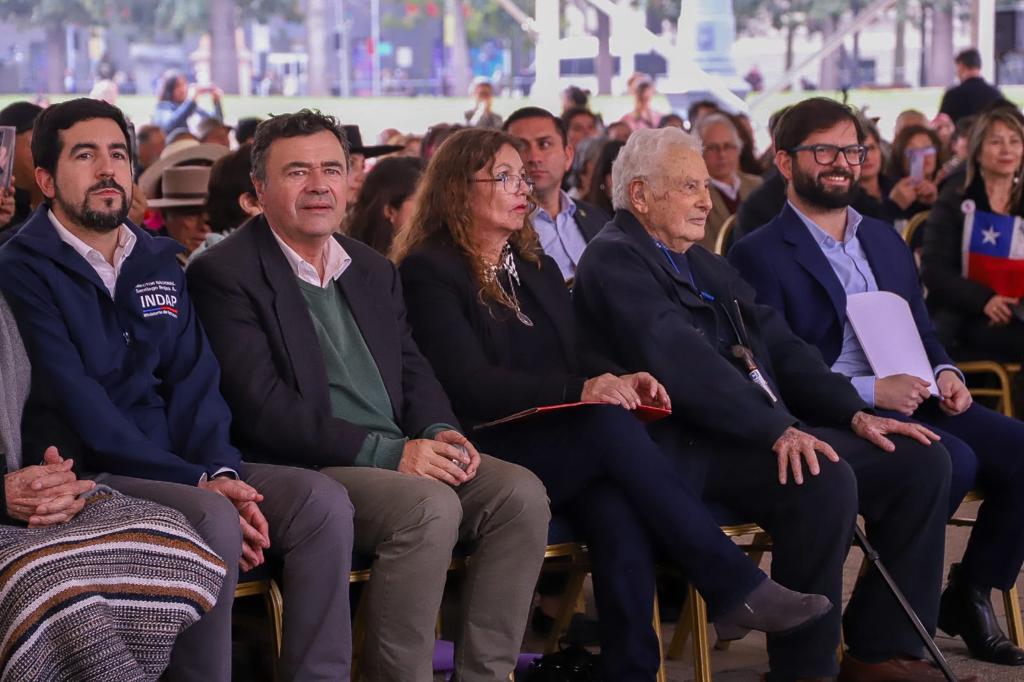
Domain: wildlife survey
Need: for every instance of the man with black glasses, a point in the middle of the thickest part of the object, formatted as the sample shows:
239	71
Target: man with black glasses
806	263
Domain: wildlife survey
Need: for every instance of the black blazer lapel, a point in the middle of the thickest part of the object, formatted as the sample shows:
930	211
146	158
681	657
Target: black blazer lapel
589	219
560	315
296	326
807	253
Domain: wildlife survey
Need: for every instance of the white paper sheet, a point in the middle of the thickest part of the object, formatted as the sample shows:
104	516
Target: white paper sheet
886	330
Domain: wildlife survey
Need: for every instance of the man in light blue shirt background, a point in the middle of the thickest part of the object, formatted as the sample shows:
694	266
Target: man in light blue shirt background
564	225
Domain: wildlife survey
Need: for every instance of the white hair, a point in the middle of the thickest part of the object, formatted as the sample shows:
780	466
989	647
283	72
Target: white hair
708	120
643	157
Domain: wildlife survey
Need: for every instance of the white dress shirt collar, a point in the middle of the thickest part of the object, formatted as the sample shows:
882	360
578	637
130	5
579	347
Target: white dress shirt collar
731	191
107	273
336	261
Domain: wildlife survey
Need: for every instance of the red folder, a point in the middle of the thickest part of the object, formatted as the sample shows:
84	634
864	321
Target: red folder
645	413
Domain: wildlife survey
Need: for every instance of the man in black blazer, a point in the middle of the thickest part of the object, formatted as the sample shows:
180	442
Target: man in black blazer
564	225
748	390
973	94
320	371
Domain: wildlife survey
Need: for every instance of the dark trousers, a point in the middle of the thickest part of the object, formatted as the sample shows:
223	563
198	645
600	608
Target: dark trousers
1004	343
601	467
903	498
986	449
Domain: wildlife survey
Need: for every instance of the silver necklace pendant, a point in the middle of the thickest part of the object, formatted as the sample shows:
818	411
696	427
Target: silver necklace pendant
521	316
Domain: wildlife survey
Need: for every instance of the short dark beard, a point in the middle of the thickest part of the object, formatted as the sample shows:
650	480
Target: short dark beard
811	189
96	221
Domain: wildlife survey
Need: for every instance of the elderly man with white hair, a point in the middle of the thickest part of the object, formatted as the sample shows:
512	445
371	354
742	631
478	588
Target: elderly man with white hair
760	424
721	145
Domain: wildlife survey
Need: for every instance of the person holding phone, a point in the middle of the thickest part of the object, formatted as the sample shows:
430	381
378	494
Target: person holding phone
178	102
910	173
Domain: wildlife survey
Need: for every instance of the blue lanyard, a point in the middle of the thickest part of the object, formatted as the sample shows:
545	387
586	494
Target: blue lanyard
675	266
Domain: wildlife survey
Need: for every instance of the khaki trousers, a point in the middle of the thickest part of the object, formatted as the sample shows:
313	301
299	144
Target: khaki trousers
410	525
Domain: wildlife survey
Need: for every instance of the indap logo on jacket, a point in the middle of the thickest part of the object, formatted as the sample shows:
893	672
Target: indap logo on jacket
158	297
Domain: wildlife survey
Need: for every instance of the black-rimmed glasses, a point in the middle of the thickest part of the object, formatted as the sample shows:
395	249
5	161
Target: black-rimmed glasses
826	154
510	183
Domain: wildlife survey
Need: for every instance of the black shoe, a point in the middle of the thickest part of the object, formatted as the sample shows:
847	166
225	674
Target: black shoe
966	611
582	631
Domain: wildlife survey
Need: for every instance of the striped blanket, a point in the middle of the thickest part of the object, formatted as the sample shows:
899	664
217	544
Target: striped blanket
104	596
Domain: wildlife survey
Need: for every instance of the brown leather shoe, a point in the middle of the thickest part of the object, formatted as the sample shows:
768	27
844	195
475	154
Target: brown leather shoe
893	670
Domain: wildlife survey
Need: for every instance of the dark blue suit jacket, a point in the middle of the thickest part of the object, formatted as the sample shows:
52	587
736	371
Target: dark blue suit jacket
633	308
790	273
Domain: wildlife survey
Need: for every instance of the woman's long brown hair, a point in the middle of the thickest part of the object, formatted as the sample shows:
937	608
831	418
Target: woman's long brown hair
444	205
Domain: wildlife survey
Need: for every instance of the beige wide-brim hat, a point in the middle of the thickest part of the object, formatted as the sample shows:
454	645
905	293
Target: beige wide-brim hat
191	155
183	186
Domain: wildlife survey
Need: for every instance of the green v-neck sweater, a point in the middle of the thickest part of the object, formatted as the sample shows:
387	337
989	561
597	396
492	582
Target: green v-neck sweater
357	391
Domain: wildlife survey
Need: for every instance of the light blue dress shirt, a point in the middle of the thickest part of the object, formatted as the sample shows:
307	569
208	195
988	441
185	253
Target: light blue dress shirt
851	266
560	237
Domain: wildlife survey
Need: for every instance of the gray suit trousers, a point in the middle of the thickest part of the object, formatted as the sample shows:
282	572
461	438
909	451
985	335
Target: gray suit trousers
310	521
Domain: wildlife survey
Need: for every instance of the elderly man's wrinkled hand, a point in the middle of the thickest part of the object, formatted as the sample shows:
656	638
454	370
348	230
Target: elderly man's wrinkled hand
794	448
874	429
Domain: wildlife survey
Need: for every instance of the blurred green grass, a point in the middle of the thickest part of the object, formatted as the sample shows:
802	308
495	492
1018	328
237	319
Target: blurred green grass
416	114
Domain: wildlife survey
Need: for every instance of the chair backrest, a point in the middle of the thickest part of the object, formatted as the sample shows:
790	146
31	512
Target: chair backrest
723	234
916	221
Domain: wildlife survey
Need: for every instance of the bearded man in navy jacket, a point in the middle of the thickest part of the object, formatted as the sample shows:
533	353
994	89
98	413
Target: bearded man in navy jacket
805	263
124	379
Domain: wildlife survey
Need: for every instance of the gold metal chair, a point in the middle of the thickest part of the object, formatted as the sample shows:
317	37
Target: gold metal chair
271	593
694	620
723	234
360	575
574	558
1011	601
1003	373
916	221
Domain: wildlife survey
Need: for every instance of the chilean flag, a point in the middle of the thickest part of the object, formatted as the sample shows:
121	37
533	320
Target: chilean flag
993	250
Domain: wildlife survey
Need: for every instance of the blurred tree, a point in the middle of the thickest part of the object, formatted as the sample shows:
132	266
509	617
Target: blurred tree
220	17
54	16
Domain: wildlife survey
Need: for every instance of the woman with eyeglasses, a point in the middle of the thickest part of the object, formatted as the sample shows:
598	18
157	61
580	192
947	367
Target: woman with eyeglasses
975	285
492	314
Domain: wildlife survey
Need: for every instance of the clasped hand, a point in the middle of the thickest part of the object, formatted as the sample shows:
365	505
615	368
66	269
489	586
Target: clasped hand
45	494
440	459
904	393
255	531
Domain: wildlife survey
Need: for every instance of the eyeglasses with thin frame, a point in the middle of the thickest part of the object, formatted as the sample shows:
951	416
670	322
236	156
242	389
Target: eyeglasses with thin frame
726	148
510	183
826	154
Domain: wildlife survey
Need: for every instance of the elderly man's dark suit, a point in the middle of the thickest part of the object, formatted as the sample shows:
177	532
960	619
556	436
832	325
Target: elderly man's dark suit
635	306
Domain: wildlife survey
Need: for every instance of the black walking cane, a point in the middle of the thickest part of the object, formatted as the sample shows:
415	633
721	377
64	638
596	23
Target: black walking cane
929	643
